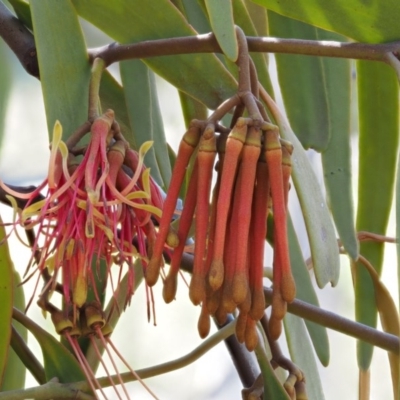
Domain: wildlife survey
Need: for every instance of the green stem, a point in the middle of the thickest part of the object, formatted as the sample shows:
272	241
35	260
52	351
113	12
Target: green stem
50	390
243	62
24	353
94	87
222	110
75	390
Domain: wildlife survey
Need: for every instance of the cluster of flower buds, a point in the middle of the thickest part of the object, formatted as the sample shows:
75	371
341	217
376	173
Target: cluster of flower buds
253	172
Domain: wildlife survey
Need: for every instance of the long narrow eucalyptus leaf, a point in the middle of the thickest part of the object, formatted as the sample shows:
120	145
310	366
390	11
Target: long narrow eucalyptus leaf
63	63
15	371
258	15
306	292
336	159
145	117
378	150
302	82
389	317
112	96
374	21
196	14
398	231
320	230
202	76
5	86
302	355
28	360
6	300
23	12
222	24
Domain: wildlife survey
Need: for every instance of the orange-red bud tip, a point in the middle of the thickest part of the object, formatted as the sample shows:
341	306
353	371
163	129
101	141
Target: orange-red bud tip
197	290
275	328
204	324
170	286
288	287
251	337
240	329
279	305
257	304
153	271
240	287
216	274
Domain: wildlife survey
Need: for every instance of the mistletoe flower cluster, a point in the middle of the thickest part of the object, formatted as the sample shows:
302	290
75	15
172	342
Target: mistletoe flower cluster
93	211
253	172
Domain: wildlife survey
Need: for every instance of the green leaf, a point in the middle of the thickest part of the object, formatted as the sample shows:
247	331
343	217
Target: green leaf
6	300
320	230
371	21
63	63
378	150
305	291
5	85
258	15
273	388
302	355
336	159
145	117
112	96
389	317
196	14
191	108
398	230
23	12
14	374
178	4
223	27
302	81
58	361
202	76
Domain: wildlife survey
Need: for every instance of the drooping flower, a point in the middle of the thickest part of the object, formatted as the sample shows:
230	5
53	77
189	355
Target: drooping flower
93	210
99	205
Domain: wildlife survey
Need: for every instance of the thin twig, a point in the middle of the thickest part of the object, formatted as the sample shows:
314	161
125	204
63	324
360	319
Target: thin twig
245	362
207	44
19	39
326	318
333	321
25	354
62	391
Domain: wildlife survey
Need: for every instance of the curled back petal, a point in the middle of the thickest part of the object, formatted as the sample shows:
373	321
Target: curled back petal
144	148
